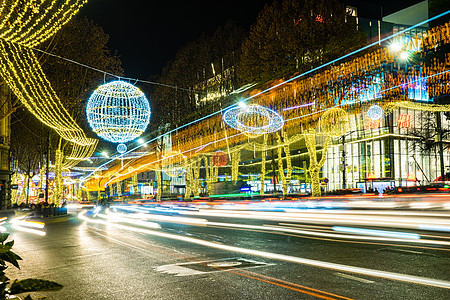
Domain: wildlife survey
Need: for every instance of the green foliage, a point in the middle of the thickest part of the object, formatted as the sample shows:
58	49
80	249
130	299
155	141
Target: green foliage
18	286
295	36
33	285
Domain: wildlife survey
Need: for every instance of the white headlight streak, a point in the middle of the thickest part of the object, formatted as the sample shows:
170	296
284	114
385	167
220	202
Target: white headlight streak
293	259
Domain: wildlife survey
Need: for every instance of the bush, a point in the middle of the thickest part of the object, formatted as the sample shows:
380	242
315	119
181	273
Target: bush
8	289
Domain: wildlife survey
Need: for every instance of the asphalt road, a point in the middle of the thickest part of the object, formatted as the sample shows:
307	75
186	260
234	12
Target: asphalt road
195	255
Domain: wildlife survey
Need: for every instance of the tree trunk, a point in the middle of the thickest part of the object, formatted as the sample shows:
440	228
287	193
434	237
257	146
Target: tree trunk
28	188
315	183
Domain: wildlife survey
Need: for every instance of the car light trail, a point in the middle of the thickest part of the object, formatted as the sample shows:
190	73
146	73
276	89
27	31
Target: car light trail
20	224
315	263
328	218
169	219
370	234
393	234
116	218
29	230
434	227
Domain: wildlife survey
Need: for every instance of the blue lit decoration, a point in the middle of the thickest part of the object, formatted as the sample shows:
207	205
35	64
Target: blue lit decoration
122	148
416	89
118	112
366	90
375	112
253	120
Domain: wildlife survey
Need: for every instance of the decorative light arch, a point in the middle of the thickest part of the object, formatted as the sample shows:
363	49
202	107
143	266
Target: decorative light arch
253	120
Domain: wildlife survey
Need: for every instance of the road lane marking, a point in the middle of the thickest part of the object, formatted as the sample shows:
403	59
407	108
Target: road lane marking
316	263
354	278
210	266
408	251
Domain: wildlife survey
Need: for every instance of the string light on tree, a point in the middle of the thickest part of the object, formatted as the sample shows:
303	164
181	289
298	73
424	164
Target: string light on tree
118	112
173	163
335	122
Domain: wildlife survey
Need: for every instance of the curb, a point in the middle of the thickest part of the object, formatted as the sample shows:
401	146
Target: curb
54	219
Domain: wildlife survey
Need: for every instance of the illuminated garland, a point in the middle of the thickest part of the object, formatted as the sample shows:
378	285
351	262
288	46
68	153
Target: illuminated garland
26	24
342	84
417	106
30	23
335	122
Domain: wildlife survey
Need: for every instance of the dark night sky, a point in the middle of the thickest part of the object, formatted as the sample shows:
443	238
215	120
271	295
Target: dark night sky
148	33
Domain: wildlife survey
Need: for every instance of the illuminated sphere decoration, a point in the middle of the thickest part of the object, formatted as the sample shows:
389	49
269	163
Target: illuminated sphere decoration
375	112
253	120
118	112
335	122
219	158
122	148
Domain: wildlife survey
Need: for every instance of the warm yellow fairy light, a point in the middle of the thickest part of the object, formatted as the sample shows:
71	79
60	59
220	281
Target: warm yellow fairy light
188	179
287	152
335	122
329	88
314	165
25	24
263	164
134	182
30	23
58	177
417	106
235	158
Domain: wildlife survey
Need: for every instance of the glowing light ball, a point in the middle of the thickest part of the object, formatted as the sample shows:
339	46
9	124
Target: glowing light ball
375	112
122	148
118	112
219	158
